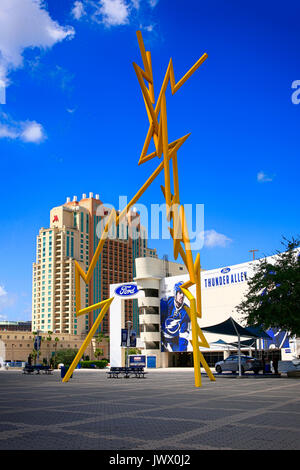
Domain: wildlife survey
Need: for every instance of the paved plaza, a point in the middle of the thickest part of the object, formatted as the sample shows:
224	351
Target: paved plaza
162	412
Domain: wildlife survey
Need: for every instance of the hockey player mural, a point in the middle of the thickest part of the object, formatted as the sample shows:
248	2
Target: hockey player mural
175	322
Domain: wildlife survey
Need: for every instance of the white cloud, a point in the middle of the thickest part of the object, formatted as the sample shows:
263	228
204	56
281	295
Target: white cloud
136	4
33	132
26	131
213	239
7	132
113	12
5	301
107	12
263	178
78	10
2	291
153	3
26	24
148	28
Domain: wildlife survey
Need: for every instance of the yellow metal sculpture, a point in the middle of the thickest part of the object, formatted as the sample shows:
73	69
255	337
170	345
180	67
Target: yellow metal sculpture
158	132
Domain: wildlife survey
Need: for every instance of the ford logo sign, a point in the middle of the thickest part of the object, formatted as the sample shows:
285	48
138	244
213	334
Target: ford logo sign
126	289
225	270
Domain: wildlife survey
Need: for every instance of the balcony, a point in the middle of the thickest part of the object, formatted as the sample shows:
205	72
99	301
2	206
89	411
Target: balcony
148	319
152	337
149	302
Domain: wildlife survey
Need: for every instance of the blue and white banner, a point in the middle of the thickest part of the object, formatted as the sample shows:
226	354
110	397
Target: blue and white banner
37	343
175	322
126	290
137	360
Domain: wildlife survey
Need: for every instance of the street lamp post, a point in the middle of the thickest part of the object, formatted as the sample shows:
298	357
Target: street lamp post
129	323
253	251
239	345
37	345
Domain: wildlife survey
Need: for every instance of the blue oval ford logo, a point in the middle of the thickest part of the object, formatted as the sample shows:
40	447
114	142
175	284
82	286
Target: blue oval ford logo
225	270
126	289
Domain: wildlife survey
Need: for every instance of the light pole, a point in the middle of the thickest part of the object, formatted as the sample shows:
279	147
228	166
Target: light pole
129	323
55	344
91	350
239	347
12	353
253	251
37	345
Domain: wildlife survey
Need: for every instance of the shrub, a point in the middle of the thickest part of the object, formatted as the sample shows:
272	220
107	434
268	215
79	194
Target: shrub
65	356
99	364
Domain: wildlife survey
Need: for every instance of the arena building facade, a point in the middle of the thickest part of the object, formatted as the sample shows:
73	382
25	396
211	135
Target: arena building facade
165	330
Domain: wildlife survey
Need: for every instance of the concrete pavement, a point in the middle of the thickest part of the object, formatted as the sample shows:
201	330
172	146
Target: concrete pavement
162	412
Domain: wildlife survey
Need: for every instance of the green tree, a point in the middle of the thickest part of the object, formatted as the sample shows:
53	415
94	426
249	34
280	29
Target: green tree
131	351
273	297
65	356
98	352
134	351
101	337
49	339
34	355
56	341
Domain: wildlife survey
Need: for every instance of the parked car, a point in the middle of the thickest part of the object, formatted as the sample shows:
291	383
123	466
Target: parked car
232	364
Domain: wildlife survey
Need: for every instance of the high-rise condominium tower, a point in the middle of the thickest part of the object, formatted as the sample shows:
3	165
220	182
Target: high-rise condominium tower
75	229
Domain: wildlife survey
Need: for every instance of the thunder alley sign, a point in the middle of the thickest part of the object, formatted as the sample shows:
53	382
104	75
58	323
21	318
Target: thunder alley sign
226	277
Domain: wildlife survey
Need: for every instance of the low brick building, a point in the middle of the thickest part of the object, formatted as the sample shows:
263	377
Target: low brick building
17	345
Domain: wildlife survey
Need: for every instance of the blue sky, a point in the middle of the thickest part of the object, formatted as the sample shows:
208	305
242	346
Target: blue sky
74	120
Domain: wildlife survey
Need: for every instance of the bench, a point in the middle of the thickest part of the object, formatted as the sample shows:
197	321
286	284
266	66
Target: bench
114	372
28	369
39	368
47	370
126	372
138	371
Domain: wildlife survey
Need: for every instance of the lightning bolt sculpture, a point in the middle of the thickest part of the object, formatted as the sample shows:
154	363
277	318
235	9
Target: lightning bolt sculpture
158	133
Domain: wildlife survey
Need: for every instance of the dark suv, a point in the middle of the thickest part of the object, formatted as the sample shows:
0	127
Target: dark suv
232	364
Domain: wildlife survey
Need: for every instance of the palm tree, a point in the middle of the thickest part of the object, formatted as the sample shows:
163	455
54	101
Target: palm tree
49	339
34	351
55	344
42	339
99	338
98	352
38	333
34	355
